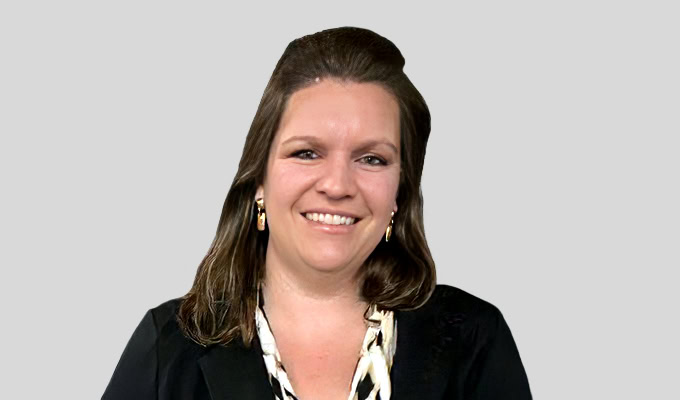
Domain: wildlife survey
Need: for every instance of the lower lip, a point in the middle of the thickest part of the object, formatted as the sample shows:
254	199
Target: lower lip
333	229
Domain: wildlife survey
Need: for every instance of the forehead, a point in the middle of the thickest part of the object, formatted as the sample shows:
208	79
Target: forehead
341	111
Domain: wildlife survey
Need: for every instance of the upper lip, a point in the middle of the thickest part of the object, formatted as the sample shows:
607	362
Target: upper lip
331	212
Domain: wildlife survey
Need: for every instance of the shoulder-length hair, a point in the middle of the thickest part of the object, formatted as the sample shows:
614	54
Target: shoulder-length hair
399	274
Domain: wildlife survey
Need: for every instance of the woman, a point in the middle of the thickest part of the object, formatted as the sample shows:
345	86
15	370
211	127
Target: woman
319	283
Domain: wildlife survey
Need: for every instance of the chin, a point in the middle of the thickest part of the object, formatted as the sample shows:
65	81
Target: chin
327	262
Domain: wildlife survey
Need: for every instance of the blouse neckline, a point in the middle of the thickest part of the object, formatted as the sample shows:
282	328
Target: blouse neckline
372	373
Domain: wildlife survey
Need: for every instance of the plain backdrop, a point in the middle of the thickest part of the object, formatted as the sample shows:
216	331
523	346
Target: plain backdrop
551	181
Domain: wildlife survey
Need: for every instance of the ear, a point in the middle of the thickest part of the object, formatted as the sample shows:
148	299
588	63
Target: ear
395	207
259	193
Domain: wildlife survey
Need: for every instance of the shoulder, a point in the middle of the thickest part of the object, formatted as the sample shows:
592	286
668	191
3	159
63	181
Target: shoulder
169	336
165	313
461	336
454	297
458	305
159	333
451	317
158	356
472	334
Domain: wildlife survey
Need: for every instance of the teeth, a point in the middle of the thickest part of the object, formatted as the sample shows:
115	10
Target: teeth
329	219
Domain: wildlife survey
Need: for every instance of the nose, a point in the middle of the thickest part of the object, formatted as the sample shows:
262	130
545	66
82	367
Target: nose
337	179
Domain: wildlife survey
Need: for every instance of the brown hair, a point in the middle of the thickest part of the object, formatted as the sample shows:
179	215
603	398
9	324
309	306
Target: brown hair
398	274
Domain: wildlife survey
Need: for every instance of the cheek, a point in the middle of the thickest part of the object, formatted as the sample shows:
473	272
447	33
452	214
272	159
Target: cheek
287	182
379	189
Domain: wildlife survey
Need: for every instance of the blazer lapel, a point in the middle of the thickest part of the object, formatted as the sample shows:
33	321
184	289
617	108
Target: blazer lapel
234	372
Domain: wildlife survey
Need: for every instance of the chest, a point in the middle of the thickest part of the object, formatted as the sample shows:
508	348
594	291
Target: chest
321	366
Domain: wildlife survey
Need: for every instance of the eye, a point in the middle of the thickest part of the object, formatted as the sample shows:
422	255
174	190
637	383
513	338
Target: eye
374	160
305	154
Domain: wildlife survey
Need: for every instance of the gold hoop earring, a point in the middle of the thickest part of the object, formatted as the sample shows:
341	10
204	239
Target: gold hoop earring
388	231
261	214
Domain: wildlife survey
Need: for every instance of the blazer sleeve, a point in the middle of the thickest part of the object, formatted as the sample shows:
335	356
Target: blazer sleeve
135	376
498	372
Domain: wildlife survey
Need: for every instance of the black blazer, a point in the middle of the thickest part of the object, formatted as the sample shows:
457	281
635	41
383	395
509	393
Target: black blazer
456	346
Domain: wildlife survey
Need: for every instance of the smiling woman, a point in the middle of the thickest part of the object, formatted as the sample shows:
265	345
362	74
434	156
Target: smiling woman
354	125
299	275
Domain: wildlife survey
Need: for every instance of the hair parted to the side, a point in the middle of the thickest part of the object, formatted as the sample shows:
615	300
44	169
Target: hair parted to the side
398	275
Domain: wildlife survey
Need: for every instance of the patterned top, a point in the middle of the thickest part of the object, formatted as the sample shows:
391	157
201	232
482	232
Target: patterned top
372	374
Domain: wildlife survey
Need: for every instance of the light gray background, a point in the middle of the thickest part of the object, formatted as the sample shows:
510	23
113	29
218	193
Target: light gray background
550	185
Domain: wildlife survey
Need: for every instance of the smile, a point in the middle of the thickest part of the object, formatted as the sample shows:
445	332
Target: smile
330	219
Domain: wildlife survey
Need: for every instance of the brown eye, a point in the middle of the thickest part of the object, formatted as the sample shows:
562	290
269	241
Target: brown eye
374	160
305	154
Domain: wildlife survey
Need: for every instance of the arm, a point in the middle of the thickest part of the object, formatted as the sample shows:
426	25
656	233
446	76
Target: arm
135	375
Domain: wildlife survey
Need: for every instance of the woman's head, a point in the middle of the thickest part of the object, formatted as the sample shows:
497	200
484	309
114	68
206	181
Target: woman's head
336	154
343	95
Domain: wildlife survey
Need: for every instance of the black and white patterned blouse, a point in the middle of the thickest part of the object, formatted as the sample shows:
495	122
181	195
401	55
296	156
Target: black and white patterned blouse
372	374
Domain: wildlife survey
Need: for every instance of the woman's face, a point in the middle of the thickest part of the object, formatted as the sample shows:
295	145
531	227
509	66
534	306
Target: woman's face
337	152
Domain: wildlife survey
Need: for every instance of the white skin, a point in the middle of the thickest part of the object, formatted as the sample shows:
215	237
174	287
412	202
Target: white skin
352	164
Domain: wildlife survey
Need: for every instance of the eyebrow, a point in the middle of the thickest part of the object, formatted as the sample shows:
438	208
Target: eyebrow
364	146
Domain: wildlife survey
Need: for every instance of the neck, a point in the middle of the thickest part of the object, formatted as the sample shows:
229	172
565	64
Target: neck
301	290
